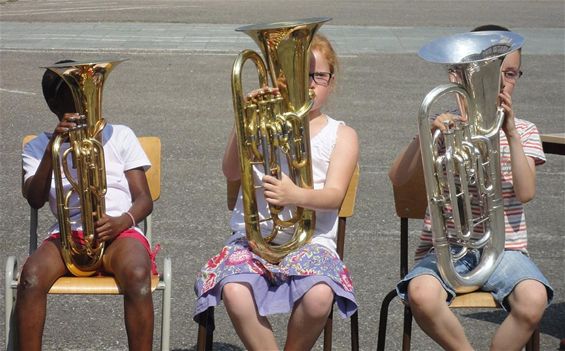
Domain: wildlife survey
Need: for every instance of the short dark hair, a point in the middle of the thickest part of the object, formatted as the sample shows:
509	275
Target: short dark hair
53	86
496	27
487	27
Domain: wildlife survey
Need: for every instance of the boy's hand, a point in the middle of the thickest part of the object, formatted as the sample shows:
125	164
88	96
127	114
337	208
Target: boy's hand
280	192
108	228
66	123
443	119
509	125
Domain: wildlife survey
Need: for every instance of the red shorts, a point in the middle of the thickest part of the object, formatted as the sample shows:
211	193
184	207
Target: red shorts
128	233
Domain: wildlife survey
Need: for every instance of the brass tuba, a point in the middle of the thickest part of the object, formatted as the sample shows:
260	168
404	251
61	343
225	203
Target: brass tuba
467	155
276	125
85	81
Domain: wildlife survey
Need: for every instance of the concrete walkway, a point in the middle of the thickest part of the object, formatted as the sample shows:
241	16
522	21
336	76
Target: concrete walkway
222	38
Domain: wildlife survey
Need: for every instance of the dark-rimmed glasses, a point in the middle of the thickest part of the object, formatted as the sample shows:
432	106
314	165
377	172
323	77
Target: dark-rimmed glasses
512	75
321	78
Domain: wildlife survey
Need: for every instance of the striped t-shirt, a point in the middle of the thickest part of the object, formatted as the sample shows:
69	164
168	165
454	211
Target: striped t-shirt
514	217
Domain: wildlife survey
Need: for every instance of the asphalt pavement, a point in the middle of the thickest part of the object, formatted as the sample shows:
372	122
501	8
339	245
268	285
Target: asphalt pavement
175	85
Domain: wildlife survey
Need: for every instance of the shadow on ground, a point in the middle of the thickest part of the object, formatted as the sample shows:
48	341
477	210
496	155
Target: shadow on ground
552	319
217	346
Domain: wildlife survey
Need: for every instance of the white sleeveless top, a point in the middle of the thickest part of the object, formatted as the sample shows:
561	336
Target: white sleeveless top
325	233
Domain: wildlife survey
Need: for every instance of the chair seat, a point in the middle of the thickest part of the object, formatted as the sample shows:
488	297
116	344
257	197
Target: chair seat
477	299
92	285
101	285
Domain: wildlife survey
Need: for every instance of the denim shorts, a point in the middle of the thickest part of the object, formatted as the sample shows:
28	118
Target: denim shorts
514	267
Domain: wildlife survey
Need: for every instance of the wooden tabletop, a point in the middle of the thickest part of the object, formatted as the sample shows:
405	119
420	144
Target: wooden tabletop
558	138
553	143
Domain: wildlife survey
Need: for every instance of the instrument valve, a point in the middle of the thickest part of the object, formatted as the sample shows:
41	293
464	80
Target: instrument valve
438	201
472	176
448	127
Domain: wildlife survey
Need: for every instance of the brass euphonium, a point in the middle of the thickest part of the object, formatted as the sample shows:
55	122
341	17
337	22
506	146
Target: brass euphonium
85	81
467	155
276	125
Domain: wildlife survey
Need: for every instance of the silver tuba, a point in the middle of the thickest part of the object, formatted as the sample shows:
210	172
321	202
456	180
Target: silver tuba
466	156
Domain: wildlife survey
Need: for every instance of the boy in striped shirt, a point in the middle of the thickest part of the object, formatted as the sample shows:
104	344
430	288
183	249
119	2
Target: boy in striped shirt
516	283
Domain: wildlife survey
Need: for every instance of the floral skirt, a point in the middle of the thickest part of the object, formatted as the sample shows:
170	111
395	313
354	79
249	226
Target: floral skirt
276	287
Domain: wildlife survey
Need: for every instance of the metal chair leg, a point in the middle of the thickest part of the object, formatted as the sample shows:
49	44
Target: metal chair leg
9	303
533	343
328	329
407	329
205	330
328	332
166	313
381	339
355	331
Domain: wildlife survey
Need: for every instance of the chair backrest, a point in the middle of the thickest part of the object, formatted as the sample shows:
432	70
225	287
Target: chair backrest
348	205
346	209
152	147
410	198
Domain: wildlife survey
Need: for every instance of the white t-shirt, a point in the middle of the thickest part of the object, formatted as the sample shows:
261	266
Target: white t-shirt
325	233
122	152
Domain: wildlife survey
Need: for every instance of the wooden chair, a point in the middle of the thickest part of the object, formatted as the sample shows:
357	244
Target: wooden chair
206	319
411	202
98	285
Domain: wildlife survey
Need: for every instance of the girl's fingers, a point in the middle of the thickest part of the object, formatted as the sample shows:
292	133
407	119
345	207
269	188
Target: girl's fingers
270	180
257	93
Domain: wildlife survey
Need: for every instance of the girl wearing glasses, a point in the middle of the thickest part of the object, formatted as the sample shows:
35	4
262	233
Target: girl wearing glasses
308	280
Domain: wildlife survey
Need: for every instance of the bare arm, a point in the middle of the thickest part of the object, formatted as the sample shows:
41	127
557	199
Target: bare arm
406	163
108	227
523	170
230	162
523	167
342	165
36	188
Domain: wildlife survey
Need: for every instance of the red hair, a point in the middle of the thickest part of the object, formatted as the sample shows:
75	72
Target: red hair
321	44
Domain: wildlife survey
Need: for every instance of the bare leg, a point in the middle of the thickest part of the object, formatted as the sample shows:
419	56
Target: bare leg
309	317
427	300
39	273
254	330
129	261
527	302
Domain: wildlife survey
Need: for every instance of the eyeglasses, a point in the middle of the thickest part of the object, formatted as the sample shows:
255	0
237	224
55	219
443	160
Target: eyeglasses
321	78
512	75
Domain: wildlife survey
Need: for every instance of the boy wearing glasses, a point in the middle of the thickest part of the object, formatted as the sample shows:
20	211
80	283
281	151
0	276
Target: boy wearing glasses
516	284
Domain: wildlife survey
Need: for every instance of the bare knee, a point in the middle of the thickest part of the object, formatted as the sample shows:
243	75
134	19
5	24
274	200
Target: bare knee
237	298
425	293
528	302
233	291
318	301
136	282
32	280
